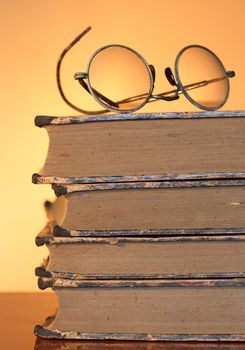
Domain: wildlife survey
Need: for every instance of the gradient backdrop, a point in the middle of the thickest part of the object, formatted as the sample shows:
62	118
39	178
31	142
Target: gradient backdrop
33	33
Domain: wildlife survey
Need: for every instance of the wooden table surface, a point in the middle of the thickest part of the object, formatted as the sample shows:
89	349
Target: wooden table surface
20	312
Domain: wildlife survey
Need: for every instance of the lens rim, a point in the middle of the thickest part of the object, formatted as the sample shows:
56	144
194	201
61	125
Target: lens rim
110	108
180	85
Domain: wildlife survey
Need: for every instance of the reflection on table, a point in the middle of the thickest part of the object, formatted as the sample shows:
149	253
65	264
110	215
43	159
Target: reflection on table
47	344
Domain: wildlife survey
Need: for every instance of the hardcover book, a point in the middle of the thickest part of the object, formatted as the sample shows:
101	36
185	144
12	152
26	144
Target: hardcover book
152	208
147	310
144	147
213	256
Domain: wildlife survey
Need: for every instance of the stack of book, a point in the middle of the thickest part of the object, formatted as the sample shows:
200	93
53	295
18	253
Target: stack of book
147	234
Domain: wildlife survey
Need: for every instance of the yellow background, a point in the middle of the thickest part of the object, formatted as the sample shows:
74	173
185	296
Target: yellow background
33	33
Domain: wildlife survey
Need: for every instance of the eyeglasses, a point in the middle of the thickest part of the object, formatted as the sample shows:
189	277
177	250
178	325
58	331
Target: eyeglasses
121	80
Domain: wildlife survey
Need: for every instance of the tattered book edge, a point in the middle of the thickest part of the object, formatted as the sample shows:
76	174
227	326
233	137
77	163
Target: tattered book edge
44	332
41	271
42	121
46	234
54	234
59	283
67	189
40	179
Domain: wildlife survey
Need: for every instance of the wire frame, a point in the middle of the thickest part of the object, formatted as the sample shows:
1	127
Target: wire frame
149	96
95	95
182	88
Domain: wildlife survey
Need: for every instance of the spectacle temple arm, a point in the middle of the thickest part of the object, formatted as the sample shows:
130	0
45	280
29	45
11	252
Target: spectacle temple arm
58	68
81	76
177	91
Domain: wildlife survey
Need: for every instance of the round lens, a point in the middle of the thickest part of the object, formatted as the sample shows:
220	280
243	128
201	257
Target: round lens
119	78
203	77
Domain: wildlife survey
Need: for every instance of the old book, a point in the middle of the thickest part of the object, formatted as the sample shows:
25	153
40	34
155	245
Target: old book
144	147
143	257
147	310
152	208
